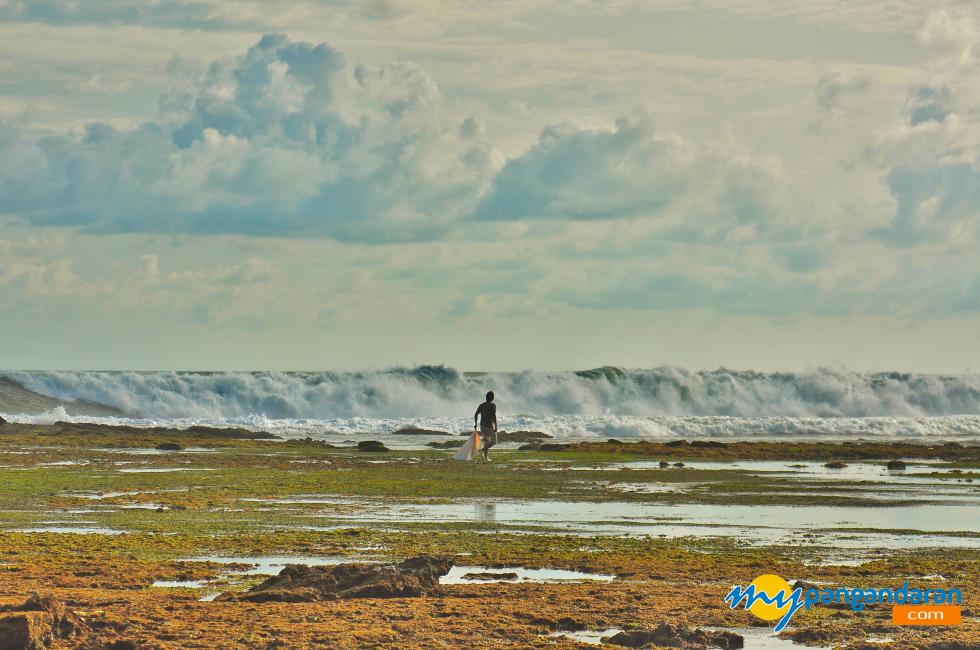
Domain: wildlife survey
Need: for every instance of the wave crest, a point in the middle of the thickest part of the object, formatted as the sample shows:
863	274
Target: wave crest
439	392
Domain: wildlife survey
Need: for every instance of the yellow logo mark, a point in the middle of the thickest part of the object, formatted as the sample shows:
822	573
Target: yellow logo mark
772	585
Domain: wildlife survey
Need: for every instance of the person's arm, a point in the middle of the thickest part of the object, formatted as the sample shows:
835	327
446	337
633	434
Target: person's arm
494	418
477	414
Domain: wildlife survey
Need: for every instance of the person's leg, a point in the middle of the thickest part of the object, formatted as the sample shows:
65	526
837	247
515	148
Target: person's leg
489	439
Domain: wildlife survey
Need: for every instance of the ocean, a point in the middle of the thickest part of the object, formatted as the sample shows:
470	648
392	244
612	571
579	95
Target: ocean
658	403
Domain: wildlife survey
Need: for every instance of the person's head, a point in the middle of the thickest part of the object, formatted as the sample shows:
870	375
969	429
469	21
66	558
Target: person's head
490	396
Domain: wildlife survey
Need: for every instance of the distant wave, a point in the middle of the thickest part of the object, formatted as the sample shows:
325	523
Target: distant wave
441	392
963	428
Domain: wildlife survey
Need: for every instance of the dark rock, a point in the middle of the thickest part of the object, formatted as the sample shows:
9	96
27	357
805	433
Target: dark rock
676	443
544	446
664	463
805	586
811	636
2	421
319	443
25	631
300	584
896	464
122	644
678	464
676	636
445	444
570	624
234	433
371	445
553	446
521	436
613	441
487	575
34	624
169	446
413	431
835	464
711	444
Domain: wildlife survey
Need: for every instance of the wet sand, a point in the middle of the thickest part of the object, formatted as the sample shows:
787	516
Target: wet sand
597	537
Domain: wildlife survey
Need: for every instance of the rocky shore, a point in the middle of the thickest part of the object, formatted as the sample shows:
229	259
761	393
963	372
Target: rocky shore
154	538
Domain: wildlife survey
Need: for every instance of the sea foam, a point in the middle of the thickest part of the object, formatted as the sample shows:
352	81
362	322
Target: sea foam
613	402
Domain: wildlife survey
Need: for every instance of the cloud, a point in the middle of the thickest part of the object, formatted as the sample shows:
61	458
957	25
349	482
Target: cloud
289	139
293	140
931	162
158	13
835	86
633	172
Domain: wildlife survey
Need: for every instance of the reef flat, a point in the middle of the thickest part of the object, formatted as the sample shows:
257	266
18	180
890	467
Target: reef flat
136	531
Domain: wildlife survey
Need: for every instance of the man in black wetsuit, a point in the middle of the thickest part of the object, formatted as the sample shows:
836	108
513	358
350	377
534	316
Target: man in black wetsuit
487	412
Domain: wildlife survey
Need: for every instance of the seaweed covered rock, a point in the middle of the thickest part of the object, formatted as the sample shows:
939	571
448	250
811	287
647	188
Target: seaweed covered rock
896	464
522	436
232	433
300	584
415	431
490	576
446	444
169	446
371	445
666	635
544	446
24	631
36	623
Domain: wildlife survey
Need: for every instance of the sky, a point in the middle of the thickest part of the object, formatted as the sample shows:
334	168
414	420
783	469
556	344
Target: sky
317	184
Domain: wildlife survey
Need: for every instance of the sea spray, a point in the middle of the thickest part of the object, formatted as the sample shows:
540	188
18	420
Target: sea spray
436	391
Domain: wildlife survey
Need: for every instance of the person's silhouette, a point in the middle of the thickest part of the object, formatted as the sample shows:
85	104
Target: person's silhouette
487	412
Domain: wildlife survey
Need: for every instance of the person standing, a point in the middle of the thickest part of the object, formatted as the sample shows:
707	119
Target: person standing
487	412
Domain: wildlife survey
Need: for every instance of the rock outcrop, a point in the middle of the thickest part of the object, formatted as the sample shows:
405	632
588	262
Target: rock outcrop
666	635
544	446
490	576
896	464
414	431
519	436
37	623
302	584
446	444
522	436
371	445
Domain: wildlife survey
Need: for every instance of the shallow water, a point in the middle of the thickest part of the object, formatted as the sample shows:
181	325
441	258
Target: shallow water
71	530
752	524
156	470
857	471
63	463
271	565
592	637
98	496
178	584
756	638
457	575
150	451
762	638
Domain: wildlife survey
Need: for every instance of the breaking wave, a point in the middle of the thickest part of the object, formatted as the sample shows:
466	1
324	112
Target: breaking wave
606	401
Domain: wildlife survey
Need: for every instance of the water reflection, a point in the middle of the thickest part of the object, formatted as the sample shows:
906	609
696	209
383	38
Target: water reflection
485	511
